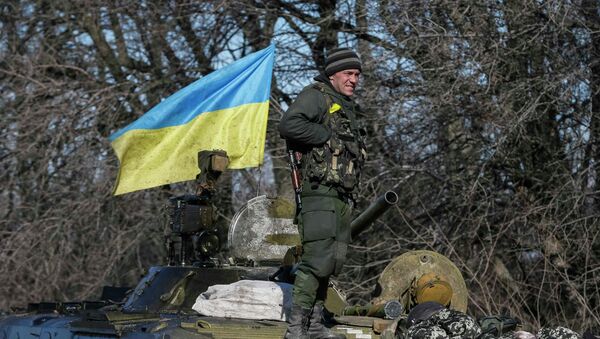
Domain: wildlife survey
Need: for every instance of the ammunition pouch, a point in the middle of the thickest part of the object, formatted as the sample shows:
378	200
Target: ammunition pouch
338	162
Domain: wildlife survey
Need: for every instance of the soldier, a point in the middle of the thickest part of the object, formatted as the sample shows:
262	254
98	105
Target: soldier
557	333
321	124
431	320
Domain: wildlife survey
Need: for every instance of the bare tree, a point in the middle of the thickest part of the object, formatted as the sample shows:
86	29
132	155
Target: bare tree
484	116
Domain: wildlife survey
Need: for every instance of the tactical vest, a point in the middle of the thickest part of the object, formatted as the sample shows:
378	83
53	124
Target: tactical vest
338	163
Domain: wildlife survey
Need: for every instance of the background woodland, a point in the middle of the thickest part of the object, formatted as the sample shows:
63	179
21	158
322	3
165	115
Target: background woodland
483	115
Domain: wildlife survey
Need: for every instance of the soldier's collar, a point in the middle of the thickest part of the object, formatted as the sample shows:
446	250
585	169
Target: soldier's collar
323	80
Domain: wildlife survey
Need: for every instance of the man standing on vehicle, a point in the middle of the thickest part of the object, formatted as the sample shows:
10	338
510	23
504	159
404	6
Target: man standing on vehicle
322	125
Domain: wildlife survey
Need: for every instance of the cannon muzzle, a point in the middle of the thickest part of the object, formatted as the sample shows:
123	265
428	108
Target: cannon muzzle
374	211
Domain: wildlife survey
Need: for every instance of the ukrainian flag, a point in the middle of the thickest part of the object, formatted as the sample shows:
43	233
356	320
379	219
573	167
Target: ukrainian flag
225	110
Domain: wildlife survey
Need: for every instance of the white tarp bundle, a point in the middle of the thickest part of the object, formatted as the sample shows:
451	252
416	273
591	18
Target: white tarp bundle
246	299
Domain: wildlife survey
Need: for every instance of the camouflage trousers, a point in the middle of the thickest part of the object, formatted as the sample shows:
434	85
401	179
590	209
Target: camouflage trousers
324	226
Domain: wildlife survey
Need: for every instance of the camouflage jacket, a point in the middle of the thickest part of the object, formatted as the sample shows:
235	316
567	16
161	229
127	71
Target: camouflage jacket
322	124
451	324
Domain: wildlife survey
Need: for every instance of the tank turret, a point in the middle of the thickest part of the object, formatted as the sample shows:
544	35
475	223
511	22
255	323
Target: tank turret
194	250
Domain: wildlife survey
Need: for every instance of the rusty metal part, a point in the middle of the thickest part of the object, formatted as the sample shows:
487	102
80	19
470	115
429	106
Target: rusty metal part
398	276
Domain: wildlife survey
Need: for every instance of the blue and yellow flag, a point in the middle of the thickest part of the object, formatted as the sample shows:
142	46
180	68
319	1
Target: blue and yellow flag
225	110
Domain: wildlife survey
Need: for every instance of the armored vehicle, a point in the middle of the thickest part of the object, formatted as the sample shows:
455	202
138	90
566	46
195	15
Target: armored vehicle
262	245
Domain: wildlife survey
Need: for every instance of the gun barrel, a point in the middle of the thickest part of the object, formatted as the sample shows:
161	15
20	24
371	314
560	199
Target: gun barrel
374	211
389	310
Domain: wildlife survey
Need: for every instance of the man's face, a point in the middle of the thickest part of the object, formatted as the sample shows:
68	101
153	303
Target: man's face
345	81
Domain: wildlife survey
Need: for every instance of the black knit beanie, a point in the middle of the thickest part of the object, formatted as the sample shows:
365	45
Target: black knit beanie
340	59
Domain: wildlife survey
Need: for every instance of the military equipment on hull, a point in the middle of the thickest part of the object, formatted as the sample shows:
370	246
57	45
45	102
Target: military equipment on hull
260	235
262	231
398	279
388	310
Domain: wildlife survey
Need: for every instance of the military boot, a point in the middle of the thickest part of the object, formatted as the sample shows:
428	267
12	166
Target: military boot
298	323
317	330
